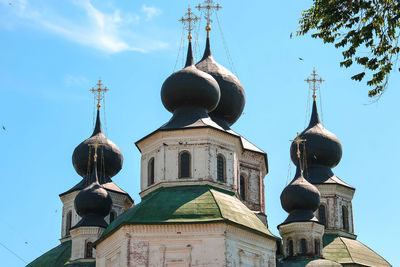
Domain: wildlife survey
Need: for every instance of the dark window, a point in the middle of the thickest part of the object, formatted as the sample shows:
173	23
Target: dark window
242	187
303	246
316	247
290	248
345	218
150	170
89	250
113	214
184	168
68	222
220	168
322	214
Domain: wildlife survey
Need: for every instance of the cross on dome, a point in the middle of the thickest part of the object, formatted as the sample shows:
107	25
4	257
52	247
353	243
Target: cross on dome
95	146
298	140
209	8
314	80
189	21
99	93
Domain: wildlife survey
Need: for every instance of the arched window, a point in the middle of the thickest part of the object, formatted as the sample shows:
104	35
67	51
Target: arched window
322	214
345	218
290	251
150	171
317	247
89	250
68	223
184	164
220	168
303	246
242	187
113	215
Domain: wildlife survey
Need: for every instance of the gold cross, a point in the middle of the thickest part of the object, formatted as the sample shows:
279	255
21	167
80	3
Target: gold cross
314	81
209	7
298	141
189	21
99	93
95	145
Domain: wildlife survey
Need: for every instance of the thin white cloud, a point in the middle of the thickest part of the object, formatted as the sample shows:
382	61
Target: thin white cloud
151	12
111	32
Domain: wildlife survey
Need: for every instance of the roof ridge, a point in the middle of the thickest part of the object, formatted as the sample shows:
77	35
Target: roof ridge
216	202
348	251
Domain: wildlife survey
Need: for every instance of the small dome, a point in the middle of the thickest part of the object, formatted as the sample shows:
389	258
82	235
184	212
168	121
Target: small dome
322	146
190	87
111	158
300	195
93	200
233	99
93	203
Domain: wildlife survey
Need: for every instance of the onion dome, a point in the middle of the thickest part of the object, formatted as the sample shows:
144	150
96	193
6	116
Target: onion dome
231	104
300	199
190	87
111	156
322	148
93	203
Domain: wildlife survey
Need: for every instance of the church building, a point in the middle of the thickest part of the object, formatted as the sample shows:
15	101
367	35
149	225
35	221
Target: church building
202	188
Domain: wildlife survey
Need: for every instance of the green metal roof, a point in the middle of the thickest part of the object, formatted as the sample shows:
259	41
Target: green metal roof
306	262
350	251
190	204
57	257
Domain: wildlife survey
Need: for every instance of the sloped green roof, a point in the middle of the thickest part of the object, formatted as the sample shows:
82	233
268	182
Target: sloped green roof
59	256
350	251
190	204
306	263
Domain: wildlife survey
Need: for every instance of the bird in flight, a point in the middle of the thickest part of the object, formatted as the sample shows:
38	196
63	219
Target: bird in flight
291	35
4	128
300	58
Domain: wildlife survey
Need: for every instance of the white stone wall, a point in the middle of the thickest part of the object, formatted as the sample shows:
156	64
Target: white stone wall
295	231
80	237
204	145
184	245
334	197
248	249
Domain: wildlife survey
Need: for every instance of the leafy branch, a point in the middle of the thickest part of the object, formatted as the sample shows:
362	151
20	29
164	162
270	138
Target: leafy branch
354	25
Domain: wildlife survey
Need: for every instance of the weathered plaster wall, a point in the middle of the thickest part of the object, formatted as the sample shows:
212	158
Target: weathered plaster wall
194	245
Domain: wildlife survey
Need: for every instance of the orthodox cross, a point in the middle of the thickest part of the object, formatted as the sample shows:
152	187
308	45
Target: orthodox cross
99	93
298	141
189	21
209	8
314	82
95	146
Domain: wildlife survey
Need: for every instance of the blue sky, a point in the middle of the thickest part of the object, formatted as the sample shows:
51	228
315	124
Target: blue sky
52	53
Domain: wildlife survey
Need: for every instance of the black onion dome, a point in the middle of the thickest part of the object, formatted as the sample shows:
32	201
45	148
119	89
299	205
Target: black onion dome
110	156
322	147
190	87
93	203
233	99
300	199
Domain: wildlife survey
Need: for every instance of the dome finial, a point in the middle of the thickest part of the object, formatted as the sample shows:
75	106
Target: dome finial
188	22
99	93
314	82
209	8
